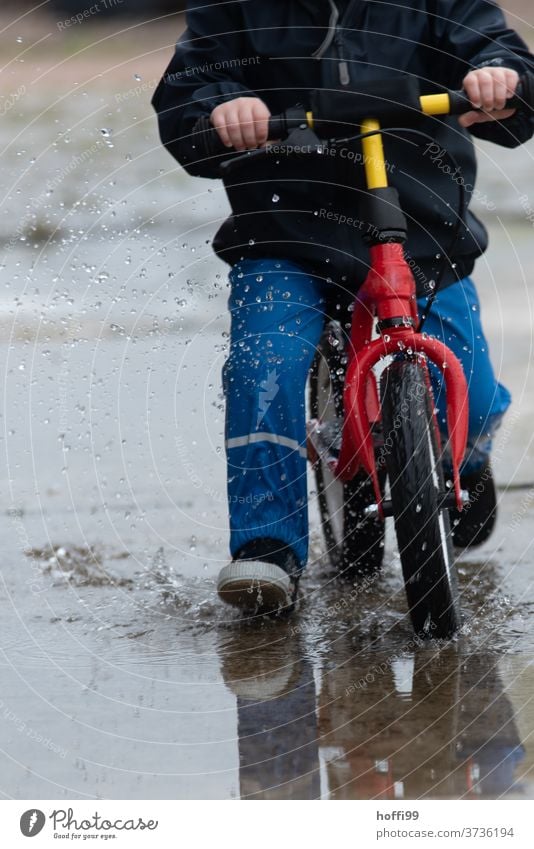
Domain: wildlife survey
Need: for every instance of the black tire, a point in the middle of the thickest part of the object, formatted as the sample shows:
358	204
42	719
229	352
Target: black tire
354	541
416	480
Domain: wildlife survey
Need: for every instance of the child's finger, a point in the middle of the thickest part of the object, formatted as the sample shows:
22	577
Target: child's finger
233	125
219	122
248	131
261	115
468	118
487	90
472	90
500	89
471	118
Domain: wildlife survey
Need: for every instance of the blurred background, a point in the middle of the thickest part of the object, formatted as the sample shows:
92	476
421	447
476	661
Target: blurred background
113	331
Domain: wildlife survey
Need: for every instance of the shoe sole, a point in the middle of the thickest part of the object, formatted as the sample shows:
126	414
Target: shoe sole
255	585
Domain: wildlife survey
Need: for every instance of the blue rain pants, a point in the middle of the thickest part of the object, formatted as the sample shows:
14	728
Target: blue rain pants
277	317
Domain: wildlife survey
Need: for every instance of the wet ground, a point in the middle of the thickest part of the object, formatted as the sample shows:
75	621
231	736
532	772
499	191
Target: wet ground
123	676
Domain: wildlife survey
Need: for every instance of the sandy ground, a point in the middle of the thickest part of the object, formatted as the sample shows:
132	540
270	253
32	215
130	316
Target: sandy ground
123	676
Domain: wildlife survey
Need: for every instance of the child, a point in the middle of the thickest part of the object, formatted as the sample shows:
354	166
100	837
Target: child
292	264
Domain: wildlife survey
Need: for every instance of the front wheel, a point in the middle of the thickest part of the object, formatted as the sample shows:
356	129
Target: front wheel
416	482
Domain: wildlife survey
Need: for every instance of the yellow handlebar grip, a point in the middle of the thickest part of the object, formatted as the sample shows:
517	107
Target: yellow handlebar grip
373	148
373	156
435	104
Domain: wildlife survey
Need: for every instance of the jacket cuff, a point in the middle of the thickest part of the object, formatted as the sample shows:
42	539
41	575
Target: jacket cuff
511	132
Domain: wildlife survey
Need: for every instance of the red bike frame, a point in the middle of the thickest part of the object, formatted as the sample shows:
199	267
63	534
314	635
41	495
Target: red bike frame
389	294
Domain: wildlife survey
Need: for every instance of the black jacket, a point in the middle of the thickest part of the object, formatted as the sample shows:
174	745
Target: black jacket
280	50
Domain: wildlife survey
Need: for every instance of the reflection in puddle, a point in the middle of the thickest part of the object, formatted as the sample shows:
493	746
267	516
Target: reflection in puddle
427	723
277	720
430	724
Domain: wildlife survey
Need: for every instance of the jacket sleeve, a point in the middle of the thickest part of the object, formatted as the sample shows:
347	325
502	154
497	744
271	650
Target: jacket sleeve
206	70
470	34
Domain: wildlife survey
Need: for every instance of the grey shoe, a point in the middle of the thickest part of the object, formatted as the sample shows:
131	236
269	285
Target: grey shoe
257	586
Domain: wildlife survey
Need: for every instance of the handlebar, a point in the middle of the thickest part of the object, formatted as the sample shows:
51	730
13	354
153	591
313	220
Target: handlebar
523	98
280	126
341	113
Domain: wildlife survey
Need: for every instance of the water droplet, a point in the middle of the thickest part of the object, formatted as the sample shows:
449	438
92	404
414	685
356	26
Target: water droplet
137	77
107	136
275	198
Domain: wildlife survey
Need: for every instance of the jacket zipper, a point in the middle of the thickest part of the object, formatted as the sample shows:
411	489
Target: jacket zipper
334	35
344	72
344	76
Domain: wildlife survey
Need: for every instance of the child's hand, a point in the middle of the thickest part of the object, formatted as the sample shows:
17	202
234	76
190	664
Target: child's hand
242	123
489	89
